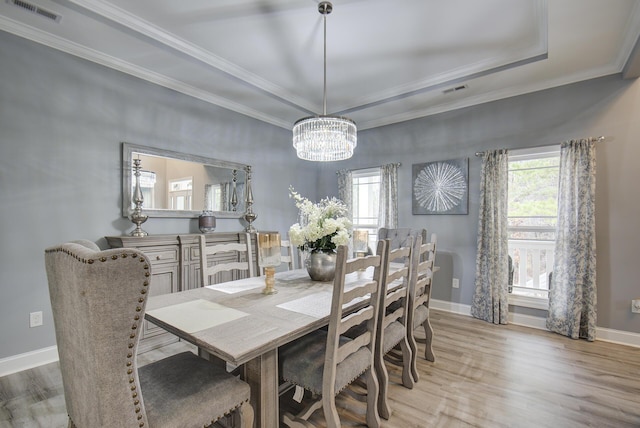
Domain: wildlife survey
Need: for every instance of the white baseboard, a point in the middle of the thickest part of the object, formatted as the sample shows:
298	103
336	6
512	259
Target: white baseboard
604	334
618	336
28	360
456	308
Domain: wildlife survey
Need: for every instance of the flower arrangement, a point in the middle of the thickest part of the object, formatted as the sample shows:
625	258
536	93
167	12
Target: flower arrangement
325	224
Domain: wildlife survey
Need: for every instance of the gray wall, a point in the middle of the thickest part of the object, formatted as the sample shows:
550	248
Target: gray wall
607	106
62	120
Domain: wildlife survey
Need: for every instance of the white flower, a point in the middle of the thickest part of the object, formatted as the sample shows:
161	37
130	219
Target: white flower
296	235
325	225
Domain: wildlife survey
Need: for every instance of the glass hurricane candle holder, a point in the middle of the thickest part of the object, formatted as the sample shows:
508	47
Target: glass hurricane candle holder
269	257
360	242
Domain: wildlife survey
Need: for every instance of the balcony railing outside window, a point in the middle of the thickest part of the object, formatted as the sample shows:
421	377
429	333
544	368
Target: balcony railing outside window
532	217
532	264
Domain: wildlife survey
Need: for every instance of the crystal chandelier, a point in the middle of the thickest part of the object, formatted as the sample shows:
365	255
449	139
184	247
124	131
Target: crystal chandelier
324	137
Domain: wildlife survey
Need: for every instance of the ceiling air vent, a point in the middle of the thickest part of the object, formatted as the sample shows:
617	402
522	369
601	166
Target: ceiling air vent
36	10
455	89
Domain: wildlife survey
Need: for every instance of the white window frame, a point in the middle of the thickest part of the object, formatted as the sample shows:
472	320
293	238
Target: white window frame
356	220
522	300
184	191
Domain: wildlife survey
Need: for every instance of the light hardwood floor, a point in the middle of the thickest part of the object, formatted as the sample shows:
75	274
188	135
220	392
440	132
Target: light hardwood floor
484	376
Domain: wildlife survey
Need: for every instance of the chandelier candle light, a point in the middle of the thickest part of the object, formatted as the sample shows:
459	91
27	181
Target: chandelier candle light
269	256
325	137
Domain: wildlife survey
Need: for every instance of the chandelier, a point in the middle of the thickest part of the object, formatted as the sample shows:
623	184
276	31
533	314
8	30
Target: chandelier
325	137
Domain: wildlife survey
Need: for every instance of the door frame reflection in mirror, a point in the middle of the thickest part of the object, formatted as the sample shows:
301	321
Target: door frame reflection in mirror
130	150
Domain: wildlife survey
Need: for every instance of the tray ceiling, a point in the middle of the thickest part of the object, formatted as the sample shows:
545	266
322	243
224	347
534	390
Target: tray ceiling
387	62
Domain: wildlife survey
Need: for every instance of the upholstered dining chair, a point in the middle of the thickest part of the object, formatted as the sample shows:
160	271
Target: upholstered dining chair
326	362
399	236
231	257
98	300
419	298
392	321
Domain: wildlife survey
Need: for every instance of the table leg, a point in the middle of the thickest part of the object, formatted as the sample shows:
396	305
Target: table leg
261	374
212	358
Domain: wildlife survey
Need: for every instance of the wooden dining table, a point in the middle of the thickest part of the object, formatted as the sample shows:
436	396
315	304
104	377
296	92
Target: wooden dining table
235	322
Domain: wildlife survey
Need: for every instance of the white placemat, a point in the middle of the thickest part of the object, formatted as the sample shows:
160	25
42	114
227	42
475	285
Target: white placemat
317	305
196	315
233	287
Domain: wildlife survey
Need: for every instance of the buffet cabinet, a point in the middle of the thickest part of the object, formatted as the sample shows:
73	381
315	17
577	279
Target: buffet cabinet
175	266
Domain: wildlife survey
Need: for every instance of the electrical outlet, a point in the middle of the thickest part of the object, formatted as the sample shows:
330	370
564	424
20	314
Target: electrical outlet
455	283
35	319
635	306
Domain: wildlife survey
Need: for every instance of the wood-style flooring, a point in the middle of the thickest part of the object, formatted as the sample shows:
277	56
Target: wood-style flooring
484	376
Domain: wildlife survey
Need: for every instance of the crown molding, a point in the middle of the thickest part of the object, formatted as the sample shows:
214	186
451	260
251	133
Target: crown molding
75	49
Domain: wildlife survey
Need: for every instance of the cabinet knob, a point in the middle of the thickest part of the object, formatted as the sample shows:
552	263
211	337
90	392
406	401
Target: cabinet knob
158	257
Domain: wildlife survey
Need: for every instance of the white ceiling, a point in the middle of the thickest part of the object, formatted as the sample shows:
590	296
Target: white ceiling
387	61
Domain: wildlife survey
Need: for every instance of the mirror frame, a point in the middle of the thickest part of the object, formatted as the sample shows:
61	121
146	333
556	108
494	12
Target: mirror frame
127	166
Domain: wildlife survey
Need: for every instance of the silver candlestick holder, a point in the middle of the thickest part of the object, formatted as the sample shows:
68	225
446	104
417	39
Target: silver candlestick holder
249	215
137	217
234	191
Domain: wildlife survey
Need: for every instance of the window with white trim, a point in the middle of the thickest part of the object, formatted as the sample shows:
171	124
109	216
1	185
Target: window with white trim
532	216
180	193
366	195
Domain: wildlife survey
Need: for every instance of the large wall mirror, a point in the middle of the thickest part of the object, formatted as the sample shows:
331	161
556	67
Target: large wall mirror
176	184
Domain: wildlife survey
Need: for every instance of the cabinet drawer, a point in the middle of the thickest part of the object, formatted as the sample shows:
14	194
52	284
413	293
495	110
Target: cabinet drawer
161	254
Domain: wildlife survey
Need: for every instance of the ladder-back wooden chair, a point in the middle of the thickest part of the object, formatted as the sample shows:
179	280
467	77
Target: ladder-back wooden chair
419	298
234	257
398	236
326	362
288	255
392	320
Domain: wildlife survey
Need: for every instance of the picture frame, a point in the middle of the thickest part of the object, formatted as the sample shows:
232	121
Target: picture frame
440	187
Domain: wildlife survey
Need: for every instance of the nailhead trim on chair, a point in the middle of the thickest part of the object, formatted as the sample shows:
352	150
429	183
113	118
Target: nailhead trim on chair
227	413
134	327
132	336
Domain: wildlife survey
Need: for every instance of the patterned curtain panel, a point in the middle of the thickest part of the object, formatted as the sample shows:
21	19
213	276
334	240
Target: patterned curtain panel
490	300
345	189
572	294
388	208
224	196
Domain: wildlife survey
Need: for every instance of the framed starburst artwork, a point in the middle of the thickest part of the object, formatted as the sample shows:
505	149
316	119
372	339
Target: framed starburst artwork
441	187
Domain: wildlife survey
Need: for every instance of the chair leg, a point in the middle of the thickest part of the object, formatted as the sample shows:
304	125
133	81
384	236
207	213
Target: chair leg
407	358
373	391
428	349
330	411
384	410
289	420
413	347
245	415
383	385
300	420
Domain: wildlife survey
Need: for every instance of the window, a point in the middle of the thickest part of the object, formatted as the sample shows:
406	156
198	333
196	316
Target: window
180	193
532	215
366	194
213	197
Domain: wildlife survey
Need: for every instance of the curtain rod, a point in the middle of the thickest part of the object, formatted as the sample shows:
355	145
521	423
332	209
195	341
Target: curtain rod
398	164
597	139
